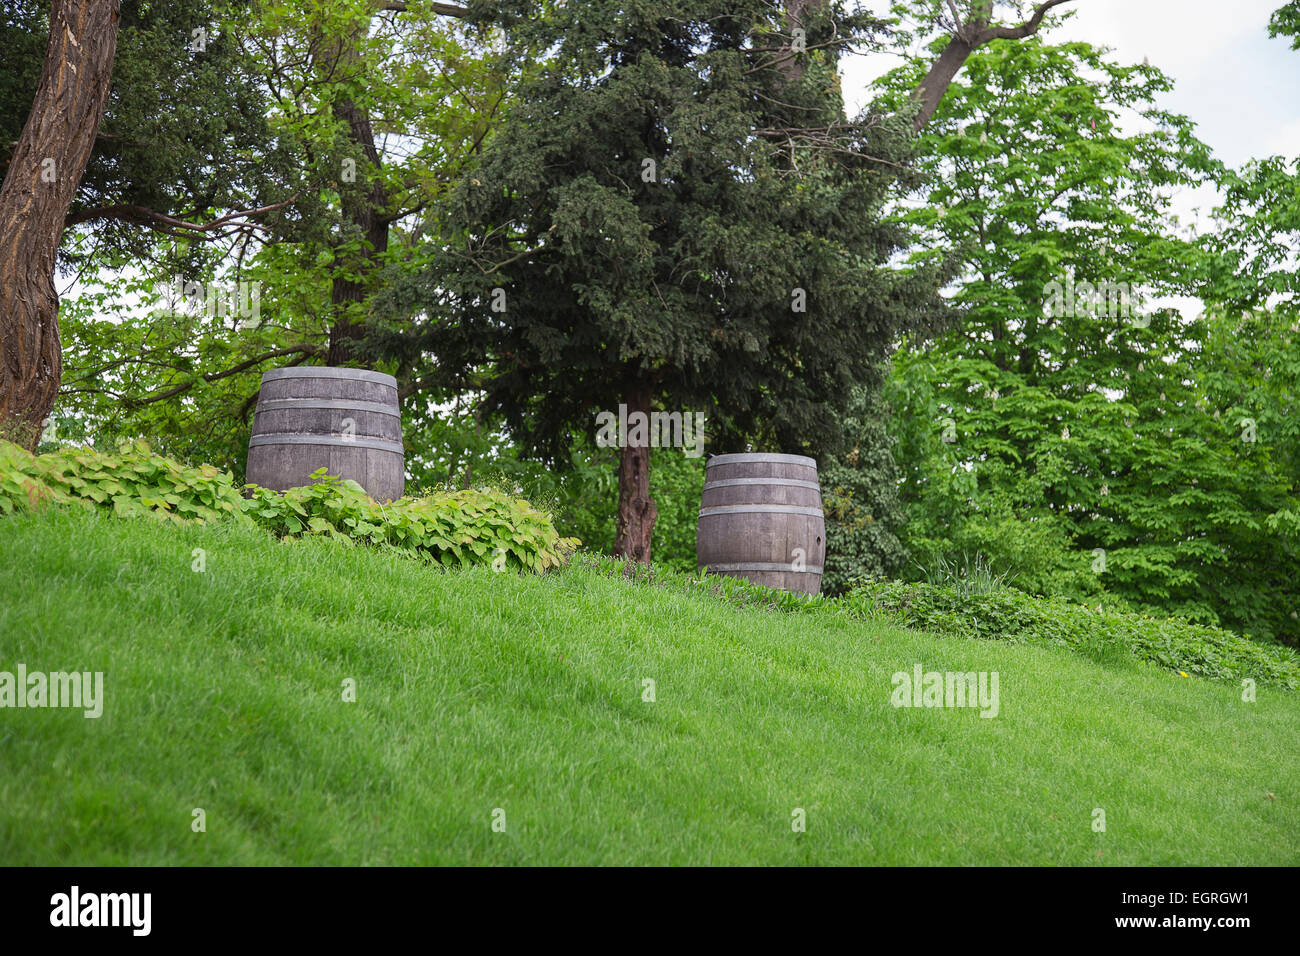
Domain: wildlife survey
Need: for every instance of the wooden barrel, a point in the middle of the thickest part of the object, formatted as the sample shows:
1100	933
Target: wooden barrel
343	419
761	519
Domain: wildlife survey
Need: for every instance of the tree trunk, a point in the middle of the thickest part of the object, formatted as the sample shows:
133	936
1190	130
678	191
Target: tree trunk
636	509
938	79
47	165
363	209
971	34
797	14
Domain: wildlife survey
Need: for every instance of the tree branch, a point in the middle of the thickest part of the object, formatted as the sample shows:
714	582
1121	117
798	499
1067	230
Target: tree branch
967	38
1028	28
144	216
306	351
443	9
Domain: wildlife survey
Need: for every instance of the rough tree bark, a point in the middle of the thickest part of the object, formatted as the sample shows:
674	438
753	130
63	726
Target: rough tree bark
366	212
636	509
797	14
47	165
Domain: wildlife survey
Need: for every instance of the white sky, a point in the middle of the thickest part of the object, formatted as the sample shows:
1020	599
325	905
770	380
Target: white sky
1240	87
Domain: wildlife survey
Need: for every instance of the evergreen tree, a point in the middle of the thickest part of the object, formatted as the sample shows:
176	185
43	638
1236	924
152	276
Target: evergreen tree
671	218
864	515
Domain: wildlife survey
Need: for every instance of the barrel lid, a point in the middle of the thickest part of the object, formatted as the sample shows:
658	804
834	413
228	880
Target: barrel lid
763	457
330	371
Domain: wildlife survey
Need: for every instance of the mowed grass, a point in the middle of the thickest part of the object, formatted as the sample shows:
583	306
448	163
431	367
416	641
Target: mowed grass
479	691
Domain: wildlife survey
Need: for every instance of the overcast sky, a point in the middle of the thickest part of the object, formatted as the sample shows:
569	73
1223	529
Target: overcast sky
1241	88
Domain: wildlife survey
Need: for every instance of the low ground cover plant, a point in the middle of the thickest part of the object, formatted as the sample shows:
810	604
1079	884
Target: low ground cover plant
489	527
452	528
995	611
1102	633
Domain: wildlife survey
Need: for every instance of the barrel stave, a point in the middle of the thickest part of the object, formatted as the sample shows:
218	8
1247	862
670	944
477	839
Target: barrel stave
311	420
344	420
757	510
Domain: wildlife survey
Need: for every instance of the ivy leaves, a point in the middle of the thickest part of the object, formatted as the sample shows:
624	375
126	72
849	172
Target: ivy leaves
453	529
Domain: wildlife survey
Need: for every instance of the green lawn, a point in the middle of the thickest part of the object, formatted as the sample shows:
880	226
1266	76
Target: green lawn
478	691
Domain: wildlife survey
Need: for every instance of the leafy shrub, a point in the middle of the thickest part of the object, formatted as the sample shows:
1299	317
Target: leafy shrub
454	529
1104	634
966	574
135	481
676	483
995	612
864	516
583	495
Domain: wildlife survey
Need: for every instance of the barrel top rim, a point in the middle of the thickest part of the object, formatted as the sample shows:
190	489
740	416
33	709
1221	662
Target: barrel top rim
763	457
330	371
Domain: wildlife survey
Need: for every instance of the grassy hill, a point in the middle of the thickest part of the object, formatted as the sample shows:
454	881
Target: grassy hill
478	691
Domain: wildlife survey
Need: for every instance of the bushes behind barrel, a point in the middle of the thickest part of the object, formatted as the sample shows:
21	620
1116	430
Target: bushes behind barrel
455	529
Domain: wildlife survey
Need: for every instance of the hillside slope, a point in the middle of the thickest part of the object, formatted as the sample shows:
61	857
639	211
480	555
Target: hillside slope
478	692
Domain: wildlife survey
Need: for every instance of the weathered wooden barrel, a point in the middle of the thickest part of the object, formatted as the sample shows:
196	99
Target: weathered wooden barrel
343	419
761	519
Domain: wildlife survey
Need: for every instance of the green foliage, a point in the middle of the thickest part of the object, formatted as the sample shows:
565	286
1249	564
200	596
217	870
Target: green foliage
583	497
455	529
676	484
1253	245
1285	22
456	447
1099	447
967	576
864	516
187	137
180	377
647	210
1156	497
132	482
1103	634
185	133
261	120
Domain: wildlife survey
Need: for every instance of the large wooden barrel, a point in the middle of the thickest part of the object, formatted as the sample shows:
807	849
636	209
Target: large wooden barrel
761	519
343	419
